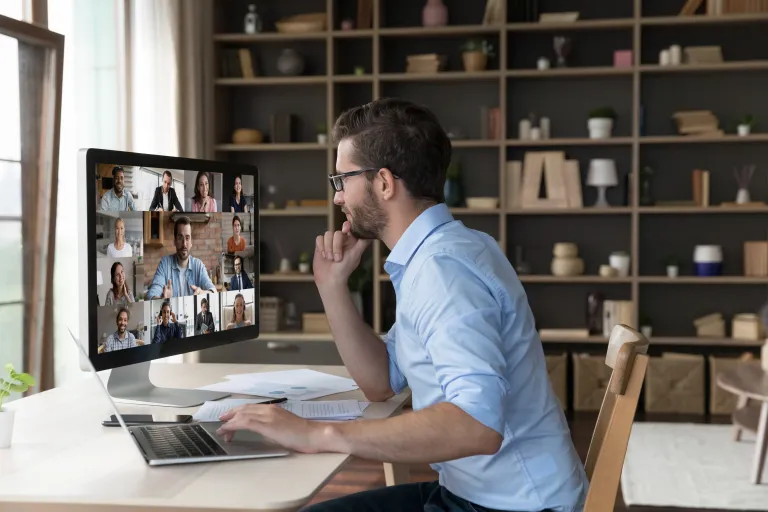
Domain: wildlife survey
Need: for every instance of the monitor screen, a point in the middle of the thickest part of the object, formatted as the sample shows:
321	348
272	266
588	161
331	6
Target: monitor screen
174	258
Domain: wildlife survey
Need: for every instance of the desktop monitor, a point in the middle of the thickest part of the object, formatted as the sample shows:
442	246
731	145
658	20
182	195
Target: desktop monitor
170	264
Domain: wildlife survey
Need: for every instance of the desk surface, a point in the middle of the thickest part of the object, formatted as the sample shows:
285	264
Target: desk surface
62	455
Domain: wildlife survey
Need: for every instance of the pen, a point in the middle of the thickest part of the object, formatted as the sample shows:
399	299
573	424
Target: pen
275	401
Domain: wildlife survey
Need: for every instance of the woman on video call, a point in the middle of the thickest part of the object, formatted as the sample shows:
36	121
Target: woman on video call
237	201
118	248
202	201
238	315
119	293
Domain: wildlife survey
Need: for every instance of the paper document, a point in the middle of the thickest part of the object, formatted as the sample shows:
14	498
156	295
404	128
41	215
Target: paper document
292	384
322	410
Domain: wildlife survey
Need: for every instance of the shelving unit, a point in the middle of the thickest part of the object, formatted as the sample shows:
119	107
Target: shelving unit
643	136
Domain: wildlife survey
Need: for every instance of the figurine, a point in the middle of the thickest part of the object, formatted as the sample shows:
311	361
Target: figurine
252	23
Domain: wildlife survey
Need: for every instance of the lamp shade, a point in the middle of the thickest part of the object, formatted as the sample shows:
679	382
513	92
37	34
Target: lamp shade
602	173
99	278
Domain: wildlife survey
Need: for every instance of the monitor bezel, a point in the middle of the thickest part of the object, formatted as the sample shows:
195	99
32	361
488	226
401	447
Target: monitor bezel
175	347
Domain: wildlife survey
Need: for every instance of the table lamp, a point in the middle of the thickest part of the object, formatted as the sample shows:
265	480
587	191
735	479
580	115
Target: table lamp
602	174
99	282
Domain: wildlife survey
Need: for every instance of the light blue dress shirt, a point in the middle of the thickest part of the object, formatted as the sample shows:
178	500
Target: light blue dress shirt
168	268
465	334
111	203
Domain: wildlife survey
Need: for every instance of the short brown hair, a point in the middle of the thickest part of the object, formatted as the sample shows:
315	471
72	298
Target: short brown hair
181	221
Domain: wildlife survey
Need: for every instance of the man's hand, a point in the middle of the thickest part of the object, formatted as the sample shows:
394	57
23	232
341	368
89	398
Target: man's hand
275	423
337	255
173	317
140	342
196	290
168	290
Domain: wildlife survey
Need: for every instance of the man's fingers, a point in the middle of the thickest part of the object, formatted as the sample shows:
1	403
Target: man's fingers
328	245
338	245
319	244
346	227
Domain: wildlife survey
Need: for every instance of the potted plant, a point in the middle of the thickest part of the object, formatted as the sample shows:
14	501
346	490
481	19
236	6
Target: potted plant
600	122
16	383
360	281
304	263
745	126
475	53
453	190
322	133
645	326
673	266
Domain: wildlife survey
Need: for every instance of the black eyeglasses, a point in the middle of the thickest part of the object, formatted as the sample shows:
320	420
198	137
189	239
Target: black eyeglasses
337	180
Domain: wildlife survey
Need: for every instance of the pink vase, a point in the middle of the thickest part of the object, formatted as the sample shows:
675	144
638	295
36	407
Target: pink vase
435	14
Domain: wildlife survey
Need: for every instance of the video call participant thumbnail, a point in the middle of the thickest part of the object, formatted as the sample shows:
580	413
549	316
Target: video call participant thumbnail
202	201
204	323
239	317
165	198
122	338
167	326
240	280
180	274
120	291
117	199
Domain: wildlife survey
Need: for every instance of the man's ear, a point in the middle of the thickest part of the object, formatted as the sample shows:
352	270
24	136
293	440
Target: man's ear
386	183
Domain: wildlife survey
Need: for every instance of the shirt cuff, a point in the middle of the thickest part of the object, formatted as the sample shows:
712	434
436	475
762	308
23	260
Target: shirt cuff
484	401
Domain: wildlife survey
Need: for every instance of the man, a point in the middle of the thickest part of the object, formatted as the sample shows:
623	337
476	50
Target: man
117	199
167	327
485	416
204	322
165	198
240	280
180	274
122	338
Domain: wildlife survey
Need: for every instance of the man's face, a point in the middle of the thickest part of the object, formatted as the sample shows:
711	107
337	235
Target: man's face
357	199
238	266
118	182
166	183
165	315
122	323
183	241
204	307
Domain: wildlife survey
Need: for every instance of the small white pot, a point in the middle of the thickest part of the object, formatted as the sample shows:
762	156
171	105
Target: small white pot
600	127
620	261
744	129
647	330
322	138
6	428
304	268
672	270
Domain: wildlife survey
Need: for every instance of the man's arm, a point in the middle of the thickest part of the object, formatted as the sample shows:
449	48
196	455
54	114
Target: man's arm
176	200
155	199
203	280
159	280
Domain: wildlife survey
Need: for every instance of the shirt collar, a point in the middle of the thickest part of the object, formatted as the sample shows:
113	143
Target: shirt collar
423	226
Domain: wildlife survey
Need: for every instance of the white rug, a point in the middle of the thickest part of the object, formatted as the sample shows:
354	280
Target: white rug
692	466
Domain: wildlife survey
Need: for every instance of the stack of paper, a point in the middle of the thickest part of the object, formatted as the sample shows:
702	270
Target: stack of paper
292	384
322	410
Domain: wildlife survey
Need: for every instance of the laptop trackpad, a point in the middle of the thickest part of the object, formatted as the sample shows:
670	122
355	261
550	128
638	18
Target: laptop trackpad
244	441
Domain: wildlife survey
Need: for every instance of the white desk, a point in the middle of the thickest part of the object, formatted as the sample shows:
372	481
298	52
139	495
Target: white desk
63	459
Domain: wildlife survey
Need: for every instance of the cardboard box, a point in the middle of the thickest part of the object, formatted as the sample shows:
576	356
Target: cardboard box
315	323
590	381
674	383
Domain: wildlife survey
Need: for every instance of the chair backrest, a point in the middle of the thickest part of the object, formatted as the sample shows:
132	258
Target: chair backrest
627	355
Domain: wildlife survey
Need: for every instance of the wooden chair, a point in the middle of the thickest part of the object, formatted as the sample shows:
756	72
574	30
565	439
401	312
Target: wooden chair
627	355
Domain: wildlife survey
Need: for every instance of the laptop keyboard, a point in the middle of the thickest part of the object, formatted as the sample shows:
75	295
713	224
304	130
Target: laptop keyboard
181	441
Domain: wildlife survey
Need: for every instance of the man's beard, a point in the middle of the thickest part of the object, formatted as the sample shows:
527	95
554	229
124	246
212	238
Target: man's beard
369	219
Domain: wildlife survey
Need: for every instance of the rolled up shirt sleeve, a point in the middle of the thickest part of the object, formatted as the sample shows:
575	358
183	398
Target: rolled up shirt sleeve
459	319
397	380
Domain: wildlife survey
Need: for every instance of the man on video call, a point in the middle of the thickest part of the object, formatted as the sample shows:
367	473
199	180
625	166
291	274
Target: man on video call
240	280
167	327
122	338
180	274
165	198
117	199
484	413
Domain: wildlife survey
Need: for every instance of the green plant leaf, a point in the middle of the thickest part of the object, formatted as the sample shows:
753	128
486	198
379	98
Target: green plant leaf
10	369
18	388
3	393
26	379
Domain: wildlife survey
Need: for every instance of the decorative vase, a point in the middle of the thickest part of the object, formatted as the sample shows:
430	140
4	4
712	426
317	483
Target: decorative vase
595	313
620	261
454	193
647	330
474	61
322	138
285	265
567	266
672	270
347	24
434	14
542	63
290	63
742	196
252	21
304	268
6	428
600	127
744	130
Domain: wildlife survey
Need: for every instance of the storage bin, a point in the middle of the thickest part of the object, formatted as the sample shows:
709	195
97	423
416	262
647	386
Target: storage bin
674	383
271	317
557	370
590	381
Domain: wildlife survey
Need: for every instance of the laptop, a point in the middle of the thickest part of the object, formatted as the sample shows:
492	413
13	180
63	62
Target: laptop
188	443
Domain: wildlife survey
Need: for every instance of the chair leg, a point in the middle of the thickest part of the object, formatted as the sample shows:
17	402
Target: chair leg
761	444
741	402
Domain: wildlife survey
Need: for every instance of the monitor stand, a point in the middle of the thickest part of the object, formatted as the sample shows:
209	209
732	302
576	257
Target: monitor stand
131	384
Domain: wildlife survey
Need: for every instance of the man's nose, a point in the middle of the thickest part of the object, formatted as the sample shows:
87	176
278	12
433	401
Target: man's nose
338	198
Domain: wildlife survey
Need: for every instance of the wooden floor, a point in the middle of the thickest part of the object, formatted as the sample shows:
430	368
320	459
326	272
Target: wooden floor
360	475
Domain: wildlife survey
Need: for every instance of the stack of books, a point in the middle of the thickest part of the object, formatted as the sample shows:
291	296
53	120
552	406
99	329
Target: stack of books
425	63
697	122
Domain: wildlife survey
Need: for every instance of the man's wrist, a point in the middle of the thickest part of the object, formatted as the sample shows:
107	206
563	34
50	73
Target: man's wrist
328	437
332	289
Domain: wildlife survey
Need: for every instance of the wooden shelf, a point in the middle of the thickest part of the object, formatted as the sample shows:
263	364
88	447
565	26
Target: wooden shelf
294	336
270	146
353	79
571	72
609	23
352	34
448	76
287	278
269	36
571	141
704	342
449	30
574	339
695	210
272	80
616	210
703	280
475	211
294	212
476	143
573	279
700	139
704	19
747	65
